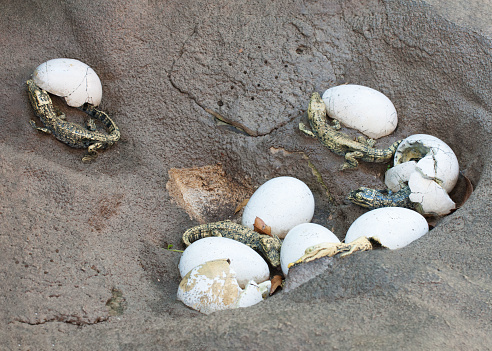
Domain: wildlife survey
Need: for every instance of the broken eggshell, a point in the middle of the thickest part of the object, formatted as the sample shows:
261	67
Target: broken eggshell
430	168
299	238
397	177
362	108
282	203
247	264
392	227
435	159
212	286
70	79
433	199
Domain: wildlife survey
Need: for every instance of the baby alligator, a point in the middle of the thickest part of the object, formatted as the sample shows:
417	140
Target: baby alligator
372	198
70	133
340	143
268	246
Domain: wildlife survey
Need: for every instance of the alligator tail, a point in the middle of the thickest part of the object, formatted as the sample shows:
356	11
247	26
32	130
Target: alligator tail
113	130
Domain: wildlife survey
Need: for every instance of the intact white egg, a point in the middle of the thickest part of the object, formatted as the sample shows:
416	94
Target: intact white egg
435	159
282	203
299	238
71	79
393	227
362	108
210	287
247	264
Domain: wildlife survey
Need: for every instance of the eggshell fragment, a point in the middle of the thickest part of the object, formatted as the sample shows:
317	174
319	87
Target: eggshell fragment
299	239
71	79
247	264
393	227
250	296
282	203
396	177
210	287
435	159
432	198
362	108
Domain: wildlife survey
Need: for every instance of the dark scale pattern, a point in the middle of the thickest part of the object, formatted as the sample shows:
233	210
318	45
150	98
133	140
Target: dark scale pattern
268	246
70	133
340	143
372	198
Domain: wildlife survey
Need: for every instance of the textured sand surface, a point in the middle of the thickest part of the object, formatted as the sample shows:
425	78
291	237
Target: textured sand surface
82	259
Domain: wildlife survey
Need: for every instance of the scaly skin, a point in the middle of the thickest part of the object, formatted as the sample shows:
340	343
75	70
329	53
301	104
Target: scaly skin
333	249
268	246
372	198
340	143
70	133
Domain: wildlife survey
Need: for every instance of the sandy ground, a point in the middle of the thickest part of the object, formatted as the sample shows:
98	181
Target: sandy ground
83	264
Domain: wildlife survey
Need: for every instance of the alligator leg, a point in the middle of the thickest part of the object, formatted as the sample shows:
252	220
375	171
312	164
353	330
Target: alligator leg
305	130
368	142
33	124
90	124
350	160
336	124
92	152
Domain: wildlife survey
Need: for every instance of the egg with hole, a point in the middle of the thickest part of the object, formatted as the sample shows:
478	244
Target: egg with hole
282	203
362	108
435	159
299	238
430	168
392	227
210	287
247	264
70	79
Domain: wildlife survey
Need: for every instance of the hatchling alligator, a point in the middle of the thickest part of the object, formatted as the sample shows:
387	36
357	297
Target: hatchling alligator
70	133
372	198
340	143
268	246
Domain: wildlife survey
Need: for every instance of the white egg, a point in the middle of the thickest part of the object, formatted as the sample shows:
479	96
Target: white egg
362	108
71	79
282	203
432	198
210	287
436	160
299	239
247	264
393	227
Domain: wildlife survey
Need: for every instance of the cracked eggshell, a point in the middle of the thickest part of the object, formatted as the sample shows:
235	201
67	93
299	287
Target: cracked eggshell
71	79
250	296
210	287
299	239
432	197
247	264
282	203
362	108
436	160
393	227
398	175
